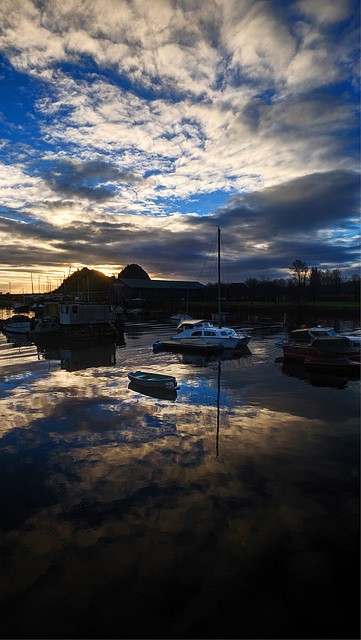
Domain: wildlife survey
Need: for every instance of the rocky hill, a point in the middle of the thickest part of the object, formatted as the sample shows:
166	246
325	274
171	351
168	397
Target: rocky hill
91	280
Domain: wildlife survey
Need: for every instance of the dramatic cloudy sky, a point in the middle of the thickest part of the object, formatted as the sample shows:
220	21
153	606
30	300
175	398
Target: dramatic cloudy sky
130	129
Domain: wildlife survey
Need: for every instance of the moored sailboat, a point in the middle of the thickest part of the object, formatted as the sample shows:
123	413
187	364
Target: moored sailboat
189	330
211	333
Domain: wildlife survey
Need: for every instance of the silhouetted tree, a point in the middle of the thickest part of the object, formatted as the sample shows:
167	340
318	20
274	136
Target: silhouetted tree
265	288
315	283
336	277
300	270
355	279
326	282
252	284
279	288
331	281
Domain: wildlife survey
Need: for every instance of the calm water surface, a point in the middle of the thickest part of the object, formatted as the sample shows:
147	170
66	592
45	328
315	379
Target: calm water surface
231	511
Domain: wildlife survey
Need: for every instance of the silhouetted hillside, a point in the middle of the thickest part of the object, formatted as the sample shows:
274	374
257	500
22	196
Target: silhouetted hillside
85	280
135	272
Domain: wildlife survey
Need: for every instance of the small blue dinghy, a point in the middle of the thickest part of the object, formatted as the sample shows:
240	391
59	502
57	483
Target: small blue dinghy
153	380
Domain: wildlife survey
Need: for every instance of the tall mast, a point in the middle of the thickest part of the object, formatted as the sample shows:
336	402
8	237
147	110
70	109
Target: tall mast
219	277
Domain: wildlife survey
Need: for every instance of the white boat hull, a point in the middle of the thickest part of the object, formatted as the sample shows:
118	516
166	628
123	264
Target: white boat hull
226	343
17	324
203	329
21	328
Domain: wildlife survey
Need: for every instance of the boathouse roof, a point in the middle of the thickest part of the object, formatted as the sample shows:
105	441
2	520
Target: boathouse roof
135	283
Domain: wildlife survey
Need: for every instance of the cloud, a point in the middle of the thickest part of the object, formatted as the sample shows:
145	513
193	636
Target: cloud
263	232
325	12
143	117
82	179
305	203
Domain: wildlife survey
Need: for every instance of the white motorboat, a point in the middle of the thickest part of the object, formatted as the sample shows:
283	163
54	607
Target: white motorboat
227	338
17	324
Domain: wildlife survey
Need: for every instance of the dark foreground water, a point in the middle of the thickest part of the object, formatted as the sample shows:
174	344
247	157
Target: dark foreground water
229	512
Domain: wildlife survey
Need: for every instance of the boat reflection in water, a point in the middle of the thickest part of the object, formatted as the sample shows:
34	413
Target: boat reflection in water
18	339
198	360
153	392
72	359
316	379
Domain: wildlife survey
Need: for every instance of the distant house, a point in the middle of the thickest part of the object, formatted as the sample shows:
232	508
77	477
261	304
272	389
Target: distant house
238	291
170	291
231	291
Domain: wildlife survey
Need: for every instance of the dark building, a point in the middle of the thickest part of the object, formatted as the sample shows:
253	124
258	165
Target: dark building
157	291
232	291
237	291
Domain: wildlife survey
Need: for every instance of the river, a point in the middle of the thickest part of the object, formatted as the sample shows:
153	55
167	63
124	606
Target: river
231	511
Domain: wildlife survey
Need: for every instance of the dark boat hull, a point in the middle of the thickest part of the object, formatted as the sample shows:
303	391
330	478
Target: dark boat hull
150	380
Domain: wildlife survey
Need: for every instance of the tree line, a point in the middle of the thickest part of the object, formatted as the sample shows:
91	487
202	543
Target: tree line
306	284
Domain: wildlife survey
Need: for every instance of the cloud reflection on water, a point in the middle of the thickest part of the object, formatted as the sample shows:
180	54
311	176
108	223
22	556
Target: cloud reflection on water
132	504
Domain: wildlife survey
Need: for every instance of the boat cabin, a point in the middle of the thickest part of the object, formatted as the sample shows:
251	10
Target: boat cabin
202	328
331	344
82	313
305	335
